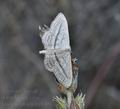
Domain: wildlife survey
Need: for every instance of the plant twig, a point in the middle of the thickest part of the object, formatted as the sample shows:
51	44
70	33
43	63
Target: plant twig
101	74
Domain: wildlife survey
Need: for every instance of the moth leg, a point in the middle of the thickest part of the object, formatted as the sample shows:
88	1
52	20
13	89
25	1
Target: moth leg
74	84
75	69
46	27
43	29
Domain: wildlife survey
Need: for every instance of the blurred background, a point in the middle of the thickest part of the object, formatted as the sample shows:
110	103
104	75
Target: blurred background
94	27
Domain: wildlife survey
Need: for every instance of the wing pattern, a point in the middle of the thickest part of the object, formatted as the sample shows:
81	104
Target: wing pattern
57	46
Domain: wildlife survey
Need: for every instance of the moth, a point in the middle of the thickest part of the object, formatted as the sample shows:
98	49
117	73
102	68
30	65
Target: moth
57	50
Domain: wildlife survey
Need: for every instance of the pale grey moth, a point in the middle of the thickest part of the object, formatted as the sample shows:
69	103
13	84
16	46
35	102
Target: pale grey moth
57	50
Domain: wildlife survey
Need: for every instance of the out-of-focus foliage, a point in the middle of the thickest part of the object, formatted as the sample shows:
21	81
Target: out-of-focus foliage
94	27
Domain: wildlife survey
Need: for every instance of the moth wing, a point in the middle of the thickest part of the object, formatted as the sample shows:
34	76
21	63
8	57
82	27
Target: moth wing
48	40
57	37
60	65
59	28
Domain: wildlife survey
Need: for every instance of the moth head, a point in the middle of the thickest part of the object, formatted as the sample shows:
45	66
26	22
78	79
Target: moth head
74	60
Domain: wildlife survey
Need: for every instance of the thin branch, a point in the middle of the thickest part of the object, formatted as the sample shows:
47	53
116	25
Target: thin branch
101	74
